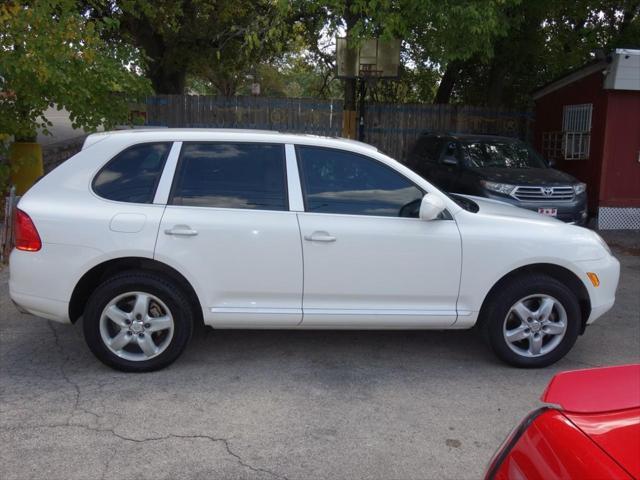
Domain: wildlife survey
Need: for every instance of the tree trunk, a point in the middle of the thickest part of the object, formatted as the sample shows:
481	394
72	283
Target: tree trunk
350	20
167	81
167	67
448	82
225	86
349	126
495	88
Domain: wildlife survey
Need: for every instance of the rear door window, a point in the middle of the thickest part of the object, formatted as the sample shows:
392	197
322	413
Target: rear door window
132	175
231	175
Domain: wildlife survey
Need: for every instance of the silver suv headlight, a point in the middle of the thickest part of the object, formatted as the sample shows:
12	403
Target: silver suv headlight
503	188
580	188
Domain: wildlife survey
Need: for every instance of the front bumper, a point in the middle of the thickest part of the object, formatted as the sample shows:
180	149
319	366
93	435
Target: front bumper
602	297
573	211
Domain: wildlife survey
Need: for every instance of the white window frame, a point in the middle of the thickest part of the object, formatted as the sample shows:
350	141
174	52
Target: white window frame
166	179
296	202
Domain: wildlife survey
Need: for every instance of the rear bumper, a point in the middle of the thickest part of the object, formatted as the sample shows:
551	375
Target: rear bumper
41	307
39	281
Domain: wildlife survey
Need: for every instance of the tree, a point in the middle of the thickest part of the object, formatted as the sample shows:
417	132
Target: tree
436	34
413	85
209	38
544	40
51	55
448	34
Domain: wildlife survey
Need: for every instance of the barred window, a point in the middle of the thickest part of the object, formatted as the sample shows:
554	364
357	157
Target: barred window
576	131
577	118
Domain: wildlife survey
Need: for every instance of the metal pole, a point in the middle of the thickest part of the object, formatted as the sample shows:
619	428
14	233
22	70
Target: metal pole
363	92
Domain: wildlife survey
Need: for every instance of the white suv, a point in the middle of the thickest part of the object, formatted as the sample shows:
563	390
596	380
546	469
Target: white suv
145	234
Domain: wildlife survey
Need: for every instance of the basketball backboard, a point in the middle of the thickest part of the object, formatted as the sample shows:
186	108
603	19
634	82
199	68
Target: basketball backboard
376	58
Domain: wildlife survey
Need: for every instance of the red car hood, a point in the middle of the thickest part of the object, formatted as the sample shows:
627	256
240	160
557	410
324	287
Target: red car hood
596	389
605	404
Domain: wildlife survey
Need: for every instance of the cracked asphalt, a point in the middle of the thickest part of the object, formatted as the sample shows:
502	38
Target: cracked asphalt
280	404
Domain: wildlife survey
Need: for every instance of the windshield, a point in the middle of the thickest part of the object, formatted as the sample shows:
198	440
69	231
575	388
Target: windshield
501	154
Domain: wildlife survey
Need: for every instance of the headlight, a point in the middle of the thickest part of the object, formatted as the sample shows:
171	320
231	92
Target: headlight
602	242
580	188
503	188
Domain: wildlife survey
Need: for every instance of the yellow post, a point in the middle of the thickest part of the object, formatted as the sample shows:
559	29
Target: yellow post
25	159
349	124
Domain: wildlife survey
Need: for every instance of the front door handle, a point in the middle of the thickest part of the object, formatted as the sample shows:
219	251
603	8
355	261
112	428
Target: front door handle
181	231
320	236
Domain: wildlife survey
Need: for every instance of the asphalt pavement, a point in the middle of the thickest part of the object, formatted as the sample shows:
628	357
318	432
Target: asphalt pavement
280	404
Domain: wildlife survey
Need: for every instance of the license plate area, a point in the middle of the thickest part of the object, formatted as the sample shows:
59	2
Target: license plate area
549	212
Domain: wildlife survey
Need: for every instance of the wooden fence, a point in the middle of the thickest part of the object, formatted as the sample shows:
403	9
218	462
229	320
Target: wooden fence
6	230
321	117
394	128
391	127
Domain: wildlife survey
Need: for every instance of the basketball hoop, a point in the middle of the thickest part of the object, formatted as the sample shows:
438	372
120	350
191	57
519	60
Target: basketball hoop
369	72
375	59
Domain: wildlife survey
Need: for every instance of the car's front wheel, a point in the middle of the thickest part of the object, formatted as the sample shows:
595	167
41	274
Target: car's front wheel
532	321
137	322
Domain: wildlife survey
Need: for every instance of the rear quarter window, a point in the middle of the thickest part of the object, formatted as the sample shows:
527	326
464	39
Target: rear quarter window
133	175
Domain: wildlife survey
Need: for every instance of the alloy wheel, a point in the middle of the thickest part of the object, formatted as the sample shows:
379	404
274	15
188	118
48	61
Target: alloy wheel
136	326
535	325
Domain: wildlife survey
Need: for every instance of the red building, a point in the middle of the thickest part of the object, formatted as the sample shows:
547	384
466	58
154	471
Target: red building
589	122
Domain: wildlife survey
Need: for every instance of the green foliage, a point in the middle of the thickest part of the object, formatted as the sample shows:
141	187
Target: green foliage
443	29
50	55
5	170
434	32
416	85
493	51
218	41
544	40
295	76
77	53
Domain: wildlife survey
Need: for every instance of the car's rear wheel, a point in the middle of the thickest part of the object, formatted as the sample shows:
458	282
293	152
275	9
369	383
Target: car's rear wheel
532	321
137	322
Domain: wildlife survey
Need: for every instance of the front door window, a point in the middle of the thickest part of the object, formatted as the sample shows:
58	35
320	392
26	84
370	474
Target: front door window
335	181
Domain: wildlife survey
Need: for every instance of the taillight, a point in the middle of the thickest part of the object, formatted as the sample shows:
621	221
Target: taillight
26	235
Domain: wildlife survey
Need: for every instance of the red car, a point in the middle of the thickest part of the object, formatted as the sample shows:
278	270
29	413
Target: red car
590	430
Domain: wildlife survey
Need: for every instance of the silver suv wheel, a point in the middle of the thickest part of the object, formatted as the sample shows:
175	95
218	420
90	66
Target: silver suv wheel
535	325
136	326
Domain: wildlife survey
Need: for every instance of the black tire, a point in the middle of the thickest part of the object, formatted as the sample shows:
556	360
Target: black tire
498	306
149	283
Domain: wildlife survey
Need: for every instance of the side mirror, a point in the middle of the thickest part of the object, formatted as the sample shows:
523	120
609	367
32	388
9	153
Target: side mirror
430	207
450	160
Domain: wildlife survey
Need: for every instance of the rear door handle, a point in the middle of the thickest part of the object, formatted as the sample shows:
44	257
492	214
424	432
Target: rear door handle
320	237
181	231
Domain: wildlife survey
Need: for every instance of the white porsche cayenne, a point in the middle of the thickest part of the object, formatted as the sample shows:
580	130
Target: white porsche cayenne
144	235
